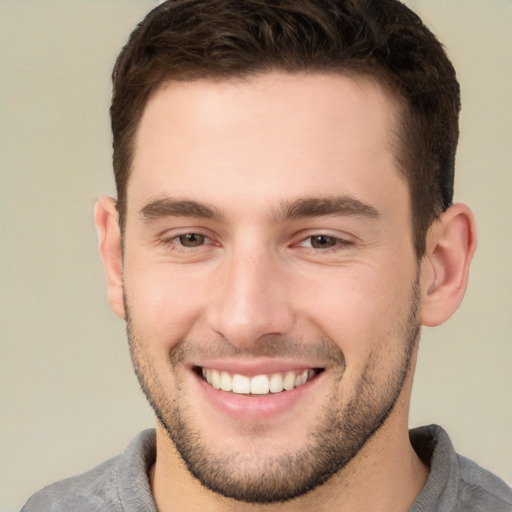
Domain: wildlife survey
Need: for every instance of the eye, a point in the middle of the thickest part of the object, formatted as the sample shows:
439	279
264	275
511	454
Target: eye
192	239
321	242
187	246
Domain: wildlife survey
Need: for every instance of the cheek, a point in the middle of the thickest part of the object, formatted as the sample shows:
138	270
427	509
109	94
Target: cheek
361	310
163	303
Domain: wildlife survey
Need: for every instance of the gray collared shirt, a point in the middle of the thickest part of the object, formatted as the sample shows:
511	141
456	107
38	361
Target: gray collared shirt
455	484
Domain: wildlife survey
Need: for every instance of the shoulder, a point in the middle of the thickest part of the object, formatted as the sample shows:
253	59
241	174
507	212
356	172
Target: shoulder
94	490
106	487
455	483
479	489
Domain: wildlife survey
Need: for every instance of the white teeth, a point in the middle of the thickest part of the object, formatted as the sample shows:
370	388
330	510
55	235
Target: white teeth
216	379
207	374
260	385
226	383
289	381
257	385
276	383
241	384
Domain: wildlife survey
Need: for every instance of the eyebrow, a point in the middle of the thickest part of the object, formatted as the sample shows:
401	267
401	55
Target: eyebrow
289	210
167	207
321	207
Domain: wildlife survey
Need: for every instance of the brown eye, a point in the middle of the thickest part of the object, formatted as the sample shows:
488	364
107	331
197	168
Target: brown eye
323	241
192	240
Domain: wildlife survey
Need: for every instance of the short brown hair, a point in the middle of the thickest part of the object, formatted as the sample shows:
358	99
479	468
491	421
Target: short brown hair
192	39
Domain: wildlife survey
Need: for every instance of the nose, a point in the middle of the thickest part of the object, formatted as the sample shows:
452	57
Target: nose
252	299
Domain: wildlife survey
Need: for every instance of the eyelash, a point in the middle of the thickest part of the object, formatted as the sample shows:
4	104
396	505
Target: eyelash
175	243
338	243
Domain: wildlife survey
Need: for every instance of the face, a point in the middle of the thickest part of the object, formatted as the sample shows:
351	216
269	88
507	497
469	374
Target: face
270	281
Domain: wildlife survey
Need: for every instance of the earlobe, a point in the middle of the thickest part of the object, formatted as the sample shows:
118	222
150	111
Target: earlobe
106	219
451	243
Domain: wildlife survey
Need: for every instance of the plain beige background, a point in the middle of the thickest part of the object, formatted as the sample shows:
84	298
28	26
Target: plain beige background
68	397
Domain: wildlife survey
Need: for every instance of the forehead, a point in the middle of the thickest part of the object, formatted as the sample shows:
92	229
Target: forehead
270	136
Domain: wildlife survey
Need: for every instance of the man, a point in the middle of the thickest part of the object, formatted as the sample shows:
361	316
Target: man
284	227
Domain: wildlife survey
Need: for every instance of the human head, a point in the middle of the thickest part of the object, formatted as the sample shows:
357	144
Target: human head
193	39
229	184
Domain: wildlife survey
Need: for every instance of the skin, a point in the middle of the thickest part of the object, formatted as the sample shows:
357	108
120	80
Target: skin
234	162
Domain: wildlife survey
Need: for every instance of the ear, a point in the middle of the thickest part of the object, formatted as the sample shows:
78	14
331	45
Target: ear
451	243
106	219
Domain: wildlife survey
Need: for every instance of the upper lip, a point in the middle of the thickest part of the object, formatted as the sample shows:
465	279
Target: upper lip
256	366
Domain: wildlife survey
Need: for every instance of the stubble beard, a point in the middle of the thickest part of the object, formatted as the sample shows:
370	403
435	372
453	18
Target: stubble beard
343	431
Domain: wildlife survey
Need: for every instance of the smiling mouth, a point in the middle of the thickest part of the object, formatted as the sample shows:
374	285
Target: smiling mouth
263	384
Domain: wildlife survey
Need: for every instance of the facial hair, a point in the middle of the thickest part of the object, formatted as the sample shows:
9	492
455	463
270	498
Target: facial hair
340	434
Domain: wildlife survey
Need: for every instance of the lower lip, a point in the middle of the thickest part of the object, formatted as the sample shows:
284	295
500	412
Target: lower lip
255	407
